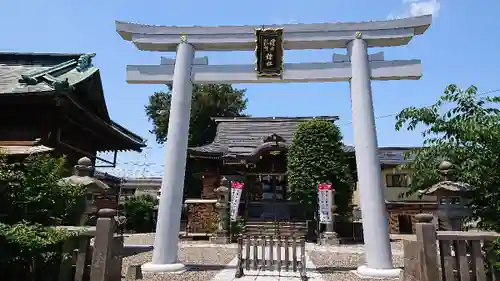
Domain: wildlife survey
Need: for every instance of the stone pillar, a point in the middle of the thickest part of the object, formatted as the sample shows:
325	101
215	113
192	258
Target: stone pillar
330	237
427	255
378	254
170	205
101	267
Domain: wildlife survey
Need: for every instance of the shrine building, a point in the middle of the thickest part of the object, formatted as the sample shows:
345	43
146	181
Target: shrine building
253	150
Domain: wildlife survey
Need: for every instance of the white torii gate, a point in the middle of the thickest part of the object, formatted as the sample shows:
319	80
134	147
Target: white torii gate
357	67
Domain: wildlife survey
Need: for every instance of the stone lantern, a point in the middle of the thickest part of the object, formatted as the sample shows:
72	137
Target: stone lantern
101	194
452	198
222	206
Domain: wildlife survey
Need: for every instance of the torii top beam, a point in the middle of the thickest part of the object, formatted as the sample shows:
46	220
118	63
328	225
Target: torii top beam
296	36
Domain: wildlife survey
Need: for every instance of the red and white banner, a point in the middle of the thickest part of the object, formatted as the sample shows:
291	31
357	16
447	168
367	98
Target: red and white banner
236	189
325	202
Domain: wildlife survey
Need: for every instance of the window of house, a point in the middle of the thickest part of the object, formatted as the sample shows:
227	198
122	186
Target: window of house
396	180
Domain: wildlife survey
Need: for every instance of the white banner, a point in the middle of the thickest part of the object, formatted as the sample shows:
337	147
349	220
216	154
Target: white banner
236	189
325	201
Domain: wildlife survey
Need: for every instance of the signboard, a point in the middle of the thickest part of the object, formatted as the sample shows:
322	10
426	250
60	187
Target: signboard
269	52
236	189
325	201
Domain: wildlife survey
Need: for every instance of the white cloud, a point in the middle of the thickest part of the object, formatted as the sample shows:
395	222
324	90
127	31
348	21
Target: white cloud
415	8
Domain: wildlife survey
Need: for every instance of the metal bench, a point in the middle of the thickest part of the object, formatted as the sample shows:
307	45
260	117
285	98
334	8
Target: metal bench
271	253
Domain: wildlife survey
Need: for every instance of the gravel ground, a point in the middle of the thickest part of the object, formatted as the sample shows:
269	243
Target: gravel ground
149	238
337	266
203	263
396	246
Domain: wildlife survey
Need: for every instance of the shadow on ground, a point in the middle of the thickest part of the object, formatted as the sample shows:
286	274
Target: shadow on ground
332	269
206	267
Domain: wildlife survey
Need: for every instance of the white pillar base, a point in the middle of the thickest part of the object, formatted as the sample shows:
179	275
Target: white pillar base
387	273
163	268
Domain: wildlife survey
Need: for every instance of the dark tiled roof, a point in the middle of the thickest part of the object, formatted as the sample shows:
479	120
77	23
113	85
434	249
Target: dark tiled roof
42	73
241	136
37	73
107	177
142	182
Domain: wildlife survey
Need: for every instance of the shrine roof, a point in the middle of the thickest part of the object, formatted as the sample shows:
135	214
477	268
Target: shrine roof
23	147
241	136
41	72
23	75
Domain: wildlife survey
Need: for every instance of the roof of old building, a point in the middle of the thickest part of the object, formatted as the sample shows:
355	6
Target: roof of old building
241	136
28	74
23	147
40	72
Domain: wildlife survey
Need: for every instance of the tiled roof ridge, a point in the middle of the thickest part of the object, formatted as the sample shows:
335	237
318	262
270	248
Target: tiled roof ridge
272	118
39	55
50	75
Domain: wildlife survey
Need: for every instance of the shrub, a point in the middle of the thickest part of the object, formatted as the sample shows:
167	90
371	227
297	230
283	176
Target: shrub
32	200
317	156
139	212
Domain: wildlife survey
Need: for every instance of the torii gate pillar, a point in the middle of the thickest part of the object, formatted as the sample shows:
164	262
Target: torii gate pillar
371	194
172	185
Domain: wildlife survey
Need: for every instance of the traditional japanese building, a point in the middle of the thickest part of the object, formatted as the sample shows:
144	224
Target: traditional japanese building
55	103
253	150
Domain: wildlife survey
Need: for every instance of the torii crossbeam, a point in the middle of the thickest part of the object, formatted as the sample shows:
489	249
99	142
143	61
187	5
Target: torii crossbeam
336	71
357	67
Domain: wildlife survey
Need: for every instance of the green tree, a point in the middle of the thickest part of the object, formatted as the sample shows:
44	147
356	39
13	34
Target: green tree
211	100
462	127
31	201
317	156
139	212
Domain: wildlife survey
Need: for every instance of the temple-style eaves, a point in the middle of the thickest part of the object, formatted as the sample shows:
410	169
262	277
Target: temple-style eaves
296	36
245	137
67	86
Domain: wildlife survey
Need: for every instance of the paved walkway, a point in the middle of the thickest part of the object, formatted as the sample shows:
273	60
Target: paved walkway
267	275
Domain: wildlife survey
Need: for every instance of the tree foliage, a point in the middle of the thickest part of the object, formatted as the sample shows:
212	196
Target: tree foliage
317	156
211	100
31	191
139	212
32	200
462	127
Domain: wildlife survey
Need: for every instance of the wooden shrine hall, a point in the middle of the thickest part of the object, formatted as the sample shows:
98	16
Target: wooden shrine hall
55	103
253	150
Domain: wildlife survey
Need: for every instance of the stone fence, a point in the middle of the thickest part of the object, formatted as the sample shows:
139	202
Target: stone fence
449	255
97	261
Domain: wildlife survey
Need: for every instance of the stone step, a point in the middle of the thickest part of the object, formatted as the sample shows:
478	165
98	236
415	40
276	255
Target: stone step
282	231
272	228
279	223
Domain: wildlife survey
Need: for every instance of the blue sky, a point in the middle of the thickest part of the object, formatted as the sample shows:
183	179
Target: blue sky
460	47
